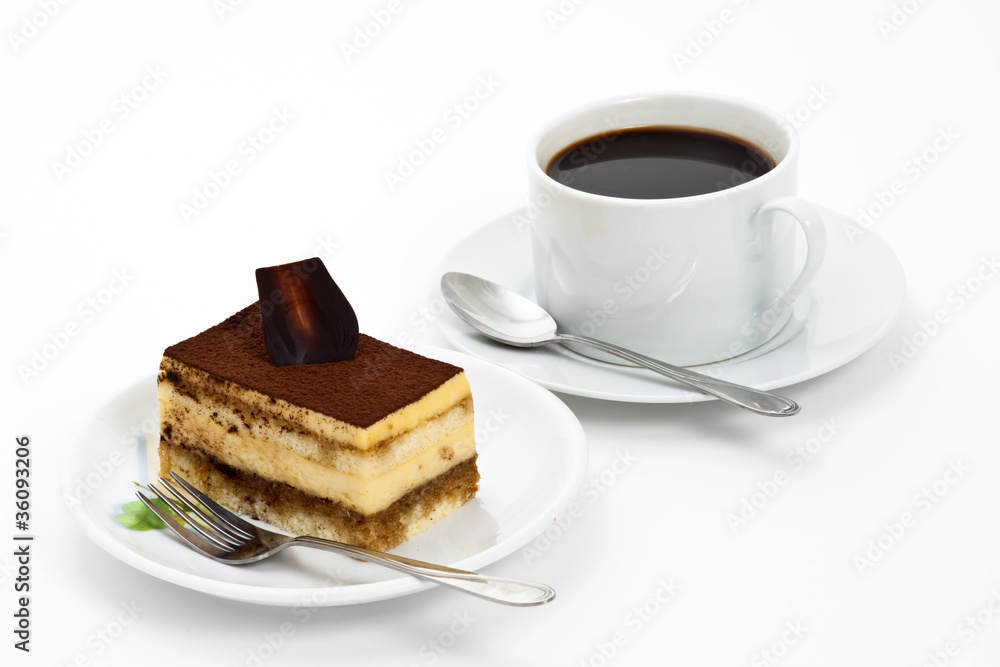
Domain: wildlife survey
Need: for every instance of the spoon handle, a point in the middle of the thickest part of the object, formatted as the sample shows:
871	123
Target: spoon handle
761	402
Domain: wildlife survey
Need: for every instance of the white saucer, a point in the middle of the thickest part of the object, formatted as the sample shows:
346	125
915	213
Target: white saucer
532	460
855	298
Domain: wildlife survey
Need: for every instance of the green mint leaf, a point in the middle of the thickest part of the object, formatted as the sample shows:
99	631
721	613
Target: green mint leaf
136	516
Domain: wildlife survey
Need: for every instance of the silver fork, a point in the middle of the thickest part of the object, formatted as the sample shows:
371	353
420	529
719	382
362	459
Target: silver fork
225	537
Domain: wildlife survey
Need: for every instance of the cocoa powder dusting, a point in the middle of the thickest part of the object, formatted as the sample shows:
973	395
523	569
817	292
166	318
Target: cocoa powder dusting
378	381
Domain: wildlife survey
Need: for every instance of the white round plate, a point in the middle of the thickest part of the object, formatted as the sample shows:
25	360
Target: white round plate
532	460
854	300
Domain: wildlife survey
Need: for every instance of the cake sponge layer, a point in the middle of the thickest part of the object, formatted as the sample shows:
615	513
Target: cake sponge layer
297	512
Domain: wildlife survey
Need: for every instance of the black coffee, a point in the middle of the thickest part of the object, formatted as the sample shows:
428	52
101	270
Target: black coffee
658	163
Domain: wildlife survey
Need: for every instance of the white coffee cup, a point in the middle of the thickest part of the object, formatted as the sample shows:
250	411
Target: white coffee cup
689	280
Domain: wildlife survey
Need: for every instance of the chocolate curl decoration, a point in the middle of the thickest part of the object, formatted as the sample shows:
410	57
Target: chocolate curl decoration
306	318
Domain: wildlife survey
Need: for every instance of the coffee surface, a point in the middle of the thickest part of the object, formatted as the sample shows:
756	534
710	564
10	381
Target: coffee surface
659	162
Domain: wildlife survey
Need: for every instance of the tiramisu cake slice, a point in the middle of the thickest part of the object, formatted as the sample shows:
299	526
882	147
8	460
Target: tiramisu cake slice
369	450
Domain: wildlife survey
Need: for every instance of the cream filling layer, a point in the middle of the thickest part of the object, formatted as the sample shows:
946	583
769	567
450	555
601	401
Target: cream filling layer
452	391
364	494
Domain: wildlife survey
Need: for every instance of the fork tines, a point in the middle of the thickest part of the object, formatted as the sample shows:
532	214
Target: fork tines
206	525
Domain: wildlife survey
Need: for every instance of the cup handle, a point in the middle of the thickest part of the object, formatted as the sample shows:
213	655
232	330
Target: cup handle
812	224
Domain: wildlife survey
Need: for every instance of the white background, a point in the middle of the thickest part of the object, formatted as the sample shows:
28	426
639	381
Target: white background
879	93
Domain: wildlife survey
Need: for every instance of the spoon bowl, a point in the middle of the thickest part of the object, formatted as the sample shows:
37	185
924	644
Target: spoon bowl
497	312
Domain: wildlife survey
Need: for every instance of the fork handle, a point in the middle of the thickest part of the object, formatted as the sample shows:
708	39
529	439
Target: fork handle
498	589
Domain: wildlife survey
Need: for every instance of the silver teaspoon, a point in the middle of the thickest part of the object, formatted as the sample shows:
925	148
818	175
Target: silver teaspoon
507	317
